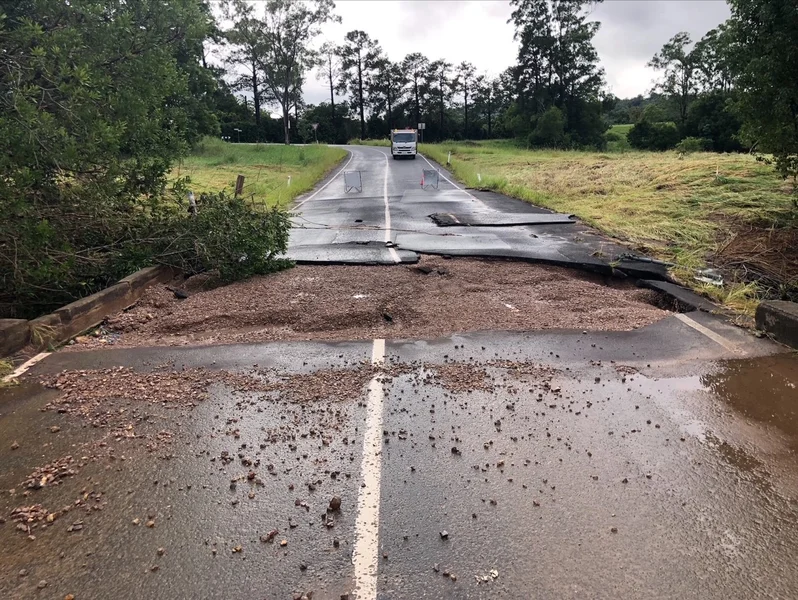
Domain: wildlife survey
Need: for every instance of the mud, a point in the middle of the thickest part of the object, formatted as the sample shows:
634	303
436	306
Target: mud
437	297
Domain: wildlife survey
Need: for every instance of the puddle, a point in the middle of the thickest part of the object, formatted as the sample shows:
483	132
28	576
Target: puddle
763	390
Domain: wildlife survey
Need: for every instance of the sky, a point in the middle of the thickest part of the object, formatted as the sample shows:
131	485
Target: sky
632	31
477	31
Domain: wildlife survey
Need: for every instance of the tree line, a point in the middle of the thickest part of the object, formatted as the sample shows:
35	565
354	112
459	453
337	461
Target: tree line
733	90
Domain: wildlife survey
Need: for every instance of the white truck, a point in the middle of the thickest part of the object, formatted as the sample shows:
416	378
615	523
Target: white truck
403	143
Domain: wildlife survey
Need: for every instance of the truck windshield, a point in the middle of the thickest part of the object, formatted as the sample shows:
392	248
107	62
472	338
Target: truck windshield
404	137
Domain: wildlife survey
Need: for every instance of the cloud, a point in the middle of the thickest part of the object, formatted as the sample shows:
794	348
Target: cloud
632	31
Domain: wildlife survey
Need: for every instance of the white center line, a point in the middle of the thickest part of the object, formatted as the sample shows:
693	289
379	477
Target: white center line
394	254
715	337
365	557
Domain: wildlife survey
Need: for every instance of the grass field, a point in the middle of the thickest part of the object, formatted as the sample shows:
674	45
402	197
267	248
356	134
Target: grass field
214	166
725	210
622	130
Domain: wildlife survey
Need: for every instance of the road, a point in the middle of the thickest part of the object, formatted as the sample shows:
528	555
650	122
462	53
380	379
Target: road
654	463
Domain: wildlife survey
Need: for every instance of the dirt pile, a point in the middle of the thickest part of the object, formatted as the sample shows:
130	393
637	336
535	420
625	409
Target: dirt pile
435	298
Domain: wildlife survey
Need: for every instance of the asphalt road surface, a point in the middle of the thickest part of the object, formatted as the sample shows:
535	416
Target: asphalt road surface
654	463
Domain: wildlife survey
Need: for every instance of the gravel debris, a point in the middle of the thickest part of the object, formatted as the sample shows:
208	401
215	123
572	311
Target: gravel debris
436	298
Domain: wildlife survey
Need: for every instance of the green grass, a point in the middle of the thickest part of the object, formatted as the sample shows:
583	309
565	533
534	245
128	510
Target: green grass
680	209
370	142
622	130
214	166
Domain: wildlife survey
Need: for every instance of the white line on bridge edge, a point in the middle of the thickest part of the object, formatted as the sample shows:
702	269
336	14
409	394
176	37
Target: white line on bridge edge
25	366
391	251
333	178
365	557
715	337
449	180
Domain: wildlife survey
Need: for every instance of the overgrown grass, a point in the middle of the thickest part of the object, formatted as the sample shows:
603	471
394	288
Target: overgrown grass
370	142
214	166
680	209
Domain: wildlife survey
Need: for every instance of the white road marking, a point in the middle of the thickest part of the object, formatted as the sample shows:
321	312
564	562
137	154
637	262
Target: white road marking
715	337
394	254
365	557
449	180
25	366
333	178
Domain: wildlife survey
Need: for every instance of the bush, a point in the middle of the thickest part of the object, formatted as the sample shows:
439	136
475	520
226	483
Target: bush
53	254
549	130
653	136
694	144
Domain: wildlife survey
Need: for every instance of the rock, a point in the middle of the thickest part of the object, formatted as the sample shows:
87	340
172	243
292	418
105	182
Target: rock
23	573
283	543
42	584
444	535
14	445
150	524
161	551
614	529
55	429
335	503
455	450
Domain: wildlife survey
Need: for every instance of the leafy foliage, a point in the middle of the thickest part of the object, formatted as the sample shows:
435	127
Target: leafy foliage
653	136
99	99
764	55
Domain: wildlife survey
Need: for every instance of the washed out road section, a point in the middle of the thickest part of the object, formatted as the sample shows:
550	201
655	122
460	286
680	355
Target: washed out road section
436	297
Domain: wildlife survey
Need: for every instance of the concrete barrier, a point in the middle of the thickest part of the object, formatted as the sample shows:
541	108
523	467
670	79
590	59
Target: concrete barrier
72	319
779	319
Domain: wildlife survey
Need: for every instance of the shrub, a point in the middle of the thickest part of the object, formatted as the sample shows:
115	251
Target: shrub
694	144
653	136
53	254
549	130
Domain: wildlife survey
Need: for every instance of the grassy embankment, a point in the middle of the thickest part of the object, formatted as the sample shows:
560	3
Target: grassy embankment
214	166
701	209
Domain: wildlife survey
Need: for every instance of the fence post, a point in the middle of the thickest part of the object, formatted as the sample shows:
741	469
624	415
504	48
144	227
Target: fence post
239	185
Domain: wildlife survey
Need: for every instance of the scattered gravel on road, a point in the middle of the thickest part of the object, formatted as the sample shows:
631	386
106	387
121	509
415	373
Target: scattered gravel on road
435	298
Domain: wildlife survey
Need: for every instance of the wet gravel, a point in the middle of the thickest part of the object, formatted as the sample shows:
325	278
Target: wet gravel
435	298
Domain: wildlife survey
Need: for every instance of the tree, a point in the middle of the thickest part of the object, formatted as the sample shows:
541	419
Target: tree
550	129
557	66
416	67
245	42
386	88
464	80
98	100
358	54
439	79
330	70
764	55
679	66
711	56
287	29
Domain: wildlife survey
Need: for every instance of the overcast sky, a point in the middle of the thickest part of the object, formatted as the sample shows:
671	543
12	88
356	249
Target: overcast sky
632	31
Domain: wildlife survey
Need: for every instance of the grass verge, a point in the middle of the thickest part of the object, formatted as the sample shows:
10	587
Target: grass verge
273	173
723	210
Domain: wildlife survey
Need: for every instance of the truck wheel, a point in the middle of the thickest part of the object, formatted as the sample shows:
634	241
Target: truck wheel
414	157
394	156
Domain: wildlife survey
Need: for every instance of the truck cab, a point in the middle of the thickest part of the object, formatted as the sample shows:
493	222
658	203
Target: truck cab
403	143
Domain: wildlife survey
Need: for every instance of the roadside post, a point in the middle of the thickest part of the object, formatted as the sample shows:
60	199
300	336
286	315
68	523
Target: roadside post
315	129
421	128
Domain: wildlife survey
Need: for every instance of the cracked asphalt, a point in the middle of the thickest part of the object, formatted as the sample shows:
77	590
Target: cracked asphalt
652	463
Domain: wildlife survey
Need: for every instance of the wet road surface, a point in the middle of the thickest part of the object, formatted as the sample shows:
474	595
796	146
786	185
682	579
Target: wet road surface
654	463
393	218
